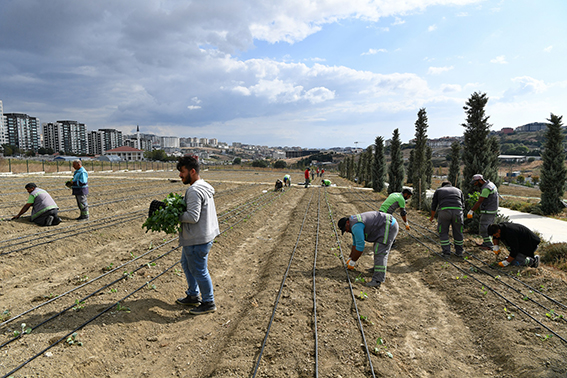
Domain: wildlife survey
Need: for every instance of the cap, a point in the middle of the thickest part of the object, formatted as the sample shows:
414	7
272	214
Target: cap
477	177
342	224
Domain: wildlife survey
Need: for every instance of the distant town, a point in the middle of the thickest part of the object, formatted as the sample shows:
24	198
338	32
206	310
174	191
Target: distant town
23	135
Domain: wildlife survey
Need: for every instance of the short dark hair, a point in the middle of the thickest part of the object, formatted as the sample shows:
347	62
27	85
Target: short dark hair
407	191
30	185
446	183
188	161
492	229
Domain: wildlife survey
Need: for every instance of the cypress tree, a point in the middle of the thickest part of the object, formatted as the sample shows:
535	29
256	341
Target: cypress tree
379	165
478	151
420	159
429	165
396	170
368	167
410	168
351	168
553	172
454	168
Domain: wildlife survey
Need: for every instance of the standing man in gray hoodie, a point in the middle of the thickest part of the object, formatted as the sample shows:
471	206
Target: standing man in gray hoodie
199	227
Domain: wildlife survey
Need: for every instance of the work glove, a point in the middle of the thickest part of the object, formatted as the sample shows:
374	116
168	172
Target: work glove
407	226
503	263
470	214
350	264
496	249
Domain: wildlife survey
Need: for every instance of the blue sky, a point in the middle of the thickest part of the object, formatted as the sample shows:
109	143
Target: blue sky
315	74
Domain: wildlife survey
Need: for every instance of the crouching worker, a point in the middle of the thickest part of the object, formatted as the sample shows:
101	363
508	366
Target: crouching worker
287	180
520	241
44	212
279	186
325	182
374	227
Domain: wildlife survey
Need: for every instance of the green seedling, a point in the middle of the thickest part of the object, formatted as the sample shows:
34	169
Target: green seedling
78	305
150	286
526	297
541	287
519	274
113	290
365	319
5	315
72	340
473	269
464	276
177	272
544	337
362	296
49	296
119	307
151	246
509	315
84	278
132	255
108	268
553	316
381	348
25	330
483	291
150	264
360	279
445	265
128	274
497	277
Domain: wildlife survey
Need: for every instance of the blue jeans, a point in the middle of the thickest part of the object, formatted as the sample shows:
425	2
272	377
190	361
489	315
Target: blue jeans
194	260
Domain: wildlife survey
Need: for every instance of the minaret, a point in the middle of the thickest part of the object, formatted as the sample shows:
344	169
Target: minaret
138	137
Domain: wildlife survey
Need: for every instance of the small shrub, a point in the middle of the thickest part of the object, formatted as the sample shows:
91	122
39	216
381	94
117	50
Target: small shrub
555	254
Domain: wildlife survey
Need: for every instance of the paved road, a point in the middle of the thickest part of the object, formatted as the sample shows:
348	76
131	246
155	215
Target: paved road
552	229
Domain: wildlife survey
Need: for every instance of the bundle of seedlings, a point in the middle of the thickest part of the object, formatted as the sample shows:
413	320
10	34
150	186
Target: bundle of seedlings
164	215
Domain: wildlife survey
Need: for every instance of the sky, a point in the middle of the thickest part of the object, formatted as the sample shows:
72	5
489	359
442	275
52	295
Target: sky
308	73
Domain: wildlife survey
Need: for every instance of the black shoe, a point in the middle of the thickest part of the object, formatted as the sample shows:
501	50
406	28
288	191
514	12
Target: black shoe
446	253
189	300
373	283
459	254
56	221
535	262
81	218
204	308
49	220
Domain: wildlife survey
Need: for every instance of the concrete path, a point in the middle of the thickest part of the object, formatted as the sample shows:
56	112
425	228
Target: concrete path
552	229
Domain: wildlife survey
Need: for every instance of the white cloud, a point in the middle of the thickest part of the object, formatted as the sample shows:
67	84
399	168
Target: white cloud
432	28
462	14
548	49
374	51
438	70
398	21
449	88
501	59
529	84
193	107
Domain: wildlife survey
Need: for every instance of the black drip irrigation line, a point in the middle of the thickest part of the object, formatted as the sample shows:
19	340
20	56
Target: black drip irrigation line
77	233
314	286
86	323
502	272
360	326
86	283
58	231
124	276
97	291
245	205
280	291
525	297
490	288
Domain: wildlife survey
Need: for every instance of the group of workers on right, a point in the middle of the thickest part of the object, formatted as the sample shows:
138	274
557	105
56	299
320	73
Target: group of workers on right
381	228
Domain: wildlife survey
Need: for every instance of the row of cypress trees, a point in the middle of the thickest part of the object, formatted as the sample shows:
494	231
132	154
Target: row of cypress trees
478	154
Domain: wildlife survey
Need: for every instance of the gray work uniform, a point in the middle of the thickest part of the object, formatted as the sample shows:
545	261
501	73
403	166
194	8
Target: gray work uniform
488	211
380	229
449	202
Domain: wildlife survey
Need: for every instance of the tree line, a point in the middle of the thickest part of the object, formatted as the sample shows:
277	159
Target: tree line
477	154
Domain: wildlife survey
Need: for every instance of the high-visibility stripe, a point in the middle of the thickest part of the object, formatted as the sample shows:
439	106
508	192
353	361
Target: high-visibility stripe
451	208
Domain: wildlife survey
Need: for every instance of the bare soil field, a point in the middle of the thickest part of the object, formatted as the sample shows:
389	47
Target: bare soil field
98	298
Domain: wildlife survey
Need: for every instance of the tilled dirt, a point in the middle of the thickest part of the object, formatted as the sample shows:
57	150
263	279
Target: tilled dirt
433	317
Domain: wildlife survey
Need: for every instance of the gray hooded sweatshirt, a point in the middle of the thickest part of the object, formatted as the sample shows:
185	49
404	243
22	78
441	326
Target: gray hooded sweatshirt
199	224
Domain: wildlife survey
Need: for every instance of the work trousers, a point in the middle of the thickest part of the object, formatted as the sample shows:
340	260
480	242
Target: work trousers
450	218
381	252
485	221
83	205
42	219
